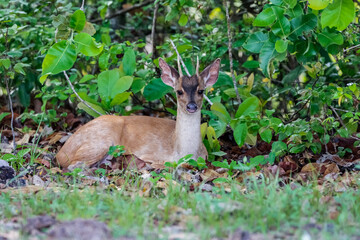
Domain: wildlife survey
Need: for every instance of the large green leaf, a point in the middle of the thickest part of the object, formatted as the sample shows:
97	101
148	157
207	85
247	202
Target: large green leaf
326	39
256	41
60	57
156	89
120	98
129	62
87	45
282	27
268	52
110	83
303	23
219	110
250	104
78	20
265	18
240	133
339	14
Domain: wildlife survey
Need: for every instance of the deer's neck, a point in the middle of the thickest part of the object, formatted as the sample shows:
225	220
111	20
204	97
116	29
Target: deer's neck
187	134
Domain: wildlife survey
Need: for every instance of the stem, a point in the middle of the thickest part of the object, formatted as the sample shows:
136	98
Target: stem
230	50
6	78
77	95
82	5
154	29
12	112
186	70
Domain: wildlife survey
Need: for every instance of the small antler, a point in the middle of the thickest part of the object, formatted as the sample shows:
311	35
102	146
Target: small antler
197	66
179	66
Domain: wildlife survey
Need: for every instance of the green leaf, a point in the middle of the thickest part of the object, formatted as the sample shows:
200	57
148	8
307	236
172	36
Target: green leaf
104	60
279	148
137	85
4	114
60	57
86	78
251	64
5	62
282	27
19	68
326	39
256	41
240	133
87	45
219	110
295	12
183	20
265	18
303	23
156	89
268	53
266	135
281	46
120	98
78	20
110	83
290	3
129	62
219	164
89	110
250	104
338	14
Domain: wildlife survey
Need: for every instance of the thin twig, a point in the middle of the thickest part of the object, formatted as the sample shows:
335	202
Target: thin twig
186	70
154	29
181	61
122	11
230	50
77	95
6	78
12	111
350	48
82	5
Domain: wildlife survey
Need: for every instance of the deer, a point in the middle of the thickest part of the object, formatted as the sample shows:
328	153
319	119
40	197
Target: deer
152	140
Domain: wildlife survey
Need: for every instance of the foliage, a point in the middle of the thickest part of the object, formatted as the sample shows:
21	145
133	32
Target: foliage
295	66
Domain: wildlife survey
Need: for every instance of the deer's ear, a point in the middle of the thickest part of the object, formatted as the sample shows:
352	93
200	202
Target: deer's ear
168	74
211	73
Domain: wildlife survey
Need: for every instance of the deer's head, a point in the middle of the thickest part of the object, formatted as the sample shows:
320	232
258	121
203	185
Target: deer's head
189	90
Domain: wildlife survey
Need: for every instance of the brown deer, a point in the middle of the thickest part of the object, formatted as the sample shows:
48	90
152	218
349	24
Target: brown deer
152	140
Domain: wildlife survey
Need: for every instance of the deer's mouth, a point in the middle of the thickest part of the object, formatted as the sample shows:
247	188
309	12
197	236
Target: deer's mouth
191	107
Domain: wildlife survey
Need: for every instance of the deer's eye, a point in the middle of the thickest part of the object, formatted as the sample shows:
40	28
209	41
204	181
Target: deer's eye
179	92
200	92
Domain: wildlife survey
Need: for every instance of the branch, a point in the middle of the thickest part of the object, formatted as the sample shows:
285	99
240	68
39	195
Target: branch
153	29
230	50
12	112
186	70
6	78
82	5
77	95
350	48
122	11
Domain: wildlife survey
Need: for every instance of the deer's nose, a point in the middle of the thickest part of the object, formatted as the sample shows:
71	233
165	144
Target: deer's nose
191	107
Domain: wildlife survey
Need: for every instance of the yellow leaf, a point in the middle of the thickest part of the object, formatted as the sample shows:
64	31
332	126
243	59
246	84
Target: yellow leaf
250	81
216	13
265	80
339	101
